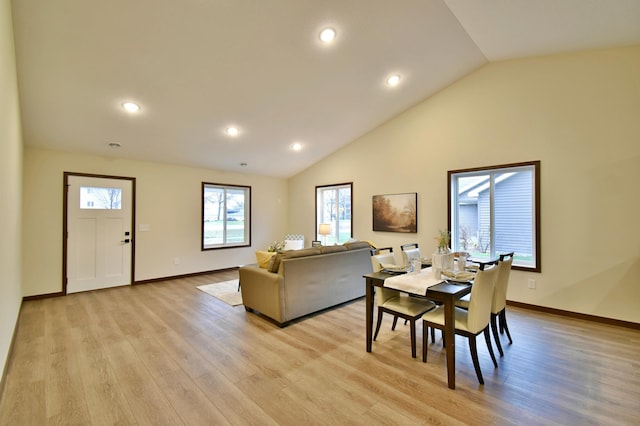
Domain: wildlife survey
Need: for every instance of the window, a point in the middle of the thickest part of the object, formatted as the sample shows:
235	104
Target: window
226	216
333	208
100	198
496	209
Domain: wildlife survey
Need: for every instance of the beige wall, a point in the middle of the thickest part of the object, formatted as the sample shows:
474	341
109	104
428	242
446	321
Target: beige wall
579	114
10	186
168	200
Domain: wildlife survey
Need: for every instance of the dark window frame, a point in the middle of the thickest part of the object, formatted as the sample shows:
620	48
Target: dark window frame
247	216
537	232
337	186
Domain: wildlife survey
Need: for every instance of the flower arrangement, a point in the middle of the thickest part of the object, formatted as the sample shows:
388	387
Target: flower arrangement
443	240
276	246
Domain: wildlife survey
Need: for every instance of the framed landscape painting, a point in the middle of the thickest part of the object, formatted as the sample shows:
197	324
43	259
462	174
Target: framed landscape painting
395	212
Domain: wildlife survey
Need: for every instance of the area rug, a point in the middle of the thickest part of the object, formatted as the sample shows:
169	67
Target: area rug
227	291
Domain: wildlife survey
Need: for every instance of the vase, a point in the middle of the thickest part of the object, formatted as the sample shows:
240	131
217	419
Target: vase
442	261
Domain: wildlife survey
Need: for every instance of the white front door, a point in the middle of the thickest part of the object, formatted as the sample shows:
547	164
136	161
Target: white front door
99	233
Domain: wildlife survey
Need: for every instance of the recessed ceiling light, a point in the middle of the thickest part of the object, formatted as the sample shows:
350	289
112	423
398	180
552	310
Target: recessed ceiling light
328	35
232	131
393	80
296	146
243	164
131	107
114	145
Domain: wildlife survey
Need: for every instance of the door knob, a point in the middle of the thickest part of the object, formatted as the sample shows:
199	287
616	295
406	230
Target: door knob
126	241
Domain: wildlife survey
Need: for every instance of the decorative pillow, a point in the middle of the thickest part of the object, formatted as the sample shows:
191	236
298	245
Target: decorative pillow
264	257
332	249
357	245
274	265
272	262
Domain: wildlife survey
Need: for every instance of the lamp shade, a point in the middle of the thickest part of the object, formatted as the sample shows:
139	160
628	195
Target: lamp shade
324	229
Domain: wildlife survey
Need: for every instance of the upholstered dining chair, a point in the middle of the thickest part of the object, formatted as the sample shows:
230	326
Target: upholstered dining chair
468	322
499	301
410	252
399	305
408	246
499	304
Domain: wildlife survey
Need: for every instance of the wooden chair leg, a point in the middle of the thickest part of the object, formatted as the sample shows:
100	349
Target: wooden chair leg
395	321
474	358
425	338
433	335
375	335
487	338
496	335
503	321
412	328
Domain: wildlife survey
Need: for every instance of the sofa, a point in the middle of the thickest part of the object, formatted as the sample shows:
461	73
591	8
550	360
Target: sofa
296	283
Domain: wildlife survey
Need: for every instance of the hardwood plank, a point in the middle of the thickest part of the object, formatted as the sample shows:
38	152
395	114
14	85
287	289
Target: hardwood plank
167	353
23	403
65	400
105	401
231	400
189	401
145	398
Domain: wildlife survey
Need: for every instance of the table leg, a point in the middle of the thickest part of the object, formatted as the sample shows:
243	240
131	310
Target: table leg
369	302
450	340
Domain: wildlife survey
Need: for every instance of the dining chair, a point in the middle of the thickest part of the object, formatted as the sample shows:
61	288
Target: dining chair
408	246
410	252
499	301
399	305
468	322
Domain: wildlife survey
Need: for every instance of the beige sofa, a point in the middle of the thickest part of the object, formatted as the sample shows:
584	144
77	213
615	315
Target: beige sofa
306	281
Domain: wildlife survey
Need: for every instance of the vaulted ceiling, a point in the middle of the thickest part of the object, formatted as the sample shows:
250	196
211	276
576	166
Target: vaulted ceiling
198	67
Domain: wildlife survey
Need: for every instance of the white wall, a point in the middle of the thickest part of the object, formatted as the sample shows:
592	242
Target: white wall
579	114
10	186
168	200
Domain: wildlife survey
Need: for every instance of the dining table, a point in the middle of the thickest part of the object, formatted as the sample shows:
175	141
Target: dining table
444	292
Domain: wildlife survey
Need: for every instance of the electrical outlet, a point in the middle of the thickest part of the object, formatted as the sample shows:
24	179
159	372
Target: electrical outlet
532	284
176	260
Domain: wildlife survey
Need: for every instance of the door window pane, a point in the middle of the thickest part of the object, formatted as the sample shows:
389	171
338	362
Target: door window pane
100	198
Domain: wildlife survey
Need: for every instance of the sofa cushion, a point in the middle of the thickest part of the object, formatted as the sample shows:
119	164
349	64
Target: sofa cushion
332	249
263	258
357	245
274	264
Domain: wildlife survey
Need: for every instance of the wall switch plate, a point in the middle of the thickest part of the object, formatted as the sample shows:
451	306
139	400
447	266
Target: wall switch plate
532	283
176	260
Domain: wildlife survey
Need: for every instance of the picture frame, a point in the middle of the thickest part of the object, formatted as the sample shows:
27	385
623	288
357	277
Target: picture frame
315	243
395	212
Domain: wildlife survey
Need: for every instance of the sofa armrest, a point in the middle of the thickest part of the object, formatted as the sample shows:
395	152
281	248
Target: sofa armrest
262	291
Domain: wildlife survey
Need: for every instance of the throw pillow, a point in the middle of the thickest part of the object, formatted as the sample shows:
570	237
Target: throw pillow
264	257
332	249
274	265
357	245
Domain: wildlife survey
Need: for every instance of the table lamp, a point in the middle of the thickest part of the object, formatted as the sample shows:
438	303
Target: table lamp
324	229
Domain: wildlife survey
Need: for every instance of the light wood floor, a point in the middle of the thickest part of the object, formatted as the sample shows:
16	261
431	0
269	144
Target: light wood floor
167	353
